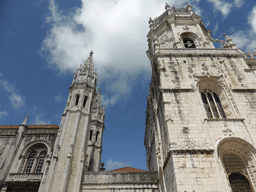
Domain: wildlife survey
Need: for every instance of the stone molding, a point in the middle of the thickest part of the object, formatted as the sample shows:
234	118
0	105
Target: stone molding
225	119
9	131
198	52
42	131
21	177
120	177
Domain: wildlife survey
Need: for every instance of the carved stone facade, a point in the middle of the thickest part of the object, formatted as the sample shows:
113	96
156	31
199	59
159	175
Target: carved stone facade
201	135
200	122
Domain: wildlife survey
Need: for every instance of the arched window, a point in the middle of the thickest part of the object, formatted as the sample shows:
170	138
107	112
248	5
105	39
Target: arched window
189	43
40	162
77	99
34	159
30	162
97	135
91	131
234	167
85	99
212	104
239	183
189	39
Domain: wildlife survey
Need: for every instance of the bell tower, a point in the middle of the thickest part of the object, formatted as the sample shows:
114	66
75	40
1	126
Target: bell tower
69	154
199	126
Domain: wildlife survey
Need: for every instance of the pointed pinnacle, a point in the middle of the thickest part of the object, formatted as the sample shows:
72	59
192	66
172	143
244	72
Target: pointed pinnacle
91	53
25	120
99	89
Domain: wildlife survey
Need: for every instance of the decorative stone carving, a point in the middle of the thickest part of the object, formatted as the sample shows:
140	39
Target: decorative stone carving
168	118
19	177
165	39
186	28
119	178
42	131
8	131
190	144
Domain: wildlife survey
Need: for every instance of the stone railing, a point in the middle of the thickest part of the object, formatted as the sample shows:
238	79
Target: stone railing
17	177
99	177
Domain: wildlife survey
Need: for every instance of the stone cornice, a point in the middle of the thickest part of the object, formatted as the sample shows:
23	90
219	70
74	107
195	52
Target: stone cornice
101	177
198	52
41	131
9	132
226	119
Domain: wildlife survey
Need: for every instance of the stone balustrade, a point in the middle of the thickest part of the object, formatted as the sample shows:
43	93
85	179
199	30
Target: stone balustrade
19	177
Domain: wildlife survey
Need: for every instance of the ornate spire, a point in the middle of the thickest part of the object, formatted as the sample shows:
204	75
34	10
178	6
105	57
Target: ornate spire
25	120
89	62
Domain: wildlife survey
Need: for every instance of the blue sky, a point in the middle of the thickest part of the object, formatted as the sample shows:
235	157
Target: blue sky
44	41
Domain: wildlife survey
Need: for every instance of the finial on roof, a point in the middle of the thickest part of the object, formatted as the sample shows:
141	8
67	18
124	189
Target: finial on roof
167	6
227	38
25	120
89	62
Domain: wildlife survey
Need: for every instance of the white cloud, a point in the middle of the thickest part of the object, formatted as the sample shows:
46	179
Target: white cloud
39	121
59	98
110	165
38	114
17	101
116	32
252	19
224	7
221	6
2	114
246	40
239	3
215	29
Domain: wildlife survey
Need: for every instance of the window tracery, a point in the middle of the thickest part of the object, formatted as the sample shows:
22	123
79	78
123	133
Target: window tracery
34	159
212	104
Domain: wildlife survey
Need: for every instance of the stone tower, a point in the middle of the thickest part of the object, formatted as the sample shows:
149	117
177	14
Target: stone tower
200	124
82	122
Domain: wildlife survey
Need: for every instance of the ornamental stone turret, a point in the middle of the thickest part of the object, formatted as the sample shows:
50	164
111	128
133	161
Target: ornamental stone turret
200	131
68	162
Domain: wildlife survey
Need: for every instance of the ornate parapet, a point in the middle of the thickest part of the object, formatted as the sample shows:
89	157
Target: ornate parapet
145	177
42	131
9	132
199	52
24	177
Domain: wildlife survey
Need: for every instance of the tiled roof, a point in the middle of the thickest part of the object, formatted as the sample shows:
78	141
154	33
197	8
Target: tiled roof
30	126
128	169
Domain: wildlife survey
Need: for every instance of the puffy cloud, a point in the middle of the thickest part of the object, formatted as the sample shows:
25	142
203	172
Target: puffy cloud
116	32
59	98
252	19
239	3
38	116
17	101
245	39
110	165
225	7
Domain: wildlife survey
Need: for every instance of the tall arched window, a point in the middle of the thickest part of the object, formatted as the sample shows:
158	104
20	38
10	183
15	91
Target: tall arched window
235	169
30	162
34	159
85	99
77	99
239	183
212	104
